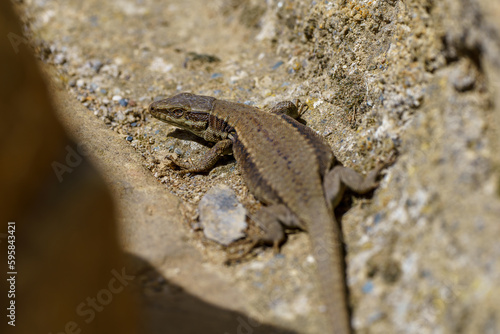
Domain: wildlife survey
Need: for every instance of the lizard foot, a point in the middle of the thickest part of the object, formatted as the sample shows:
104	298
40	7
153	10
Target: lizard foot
254	244
302	107
234	258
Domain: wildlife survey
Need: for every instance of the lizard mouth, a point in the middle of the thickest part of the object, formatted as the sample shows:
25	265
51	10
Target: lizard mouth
159	113
153	109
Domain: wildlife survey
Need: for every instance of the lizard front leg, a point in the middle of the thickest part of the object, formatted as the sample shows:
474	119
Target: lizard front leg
208	160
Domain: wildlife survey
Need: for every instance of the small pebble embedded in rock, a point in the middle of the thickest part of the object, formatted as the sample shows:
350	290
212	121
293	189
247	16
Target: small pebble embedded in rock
278	64
222	216
59	59
96	65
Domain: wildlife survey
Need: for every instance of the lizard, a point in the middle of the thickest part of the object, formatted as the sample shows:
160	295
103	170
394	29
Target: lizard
285	165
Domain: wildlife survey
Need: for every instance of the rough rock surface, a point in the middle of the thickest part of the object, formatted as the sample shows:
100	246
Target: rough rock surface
415	77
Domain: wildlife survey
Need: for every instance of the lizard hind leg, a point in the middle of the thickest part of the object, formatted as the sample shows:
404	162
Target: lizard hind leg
337	179
294	110
272	221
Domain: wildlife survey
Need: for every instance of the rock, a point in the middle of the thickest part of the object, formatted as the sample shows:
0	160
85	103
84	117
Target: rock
221	215
59	59
278	64
94	87
123	102
120	116
97	65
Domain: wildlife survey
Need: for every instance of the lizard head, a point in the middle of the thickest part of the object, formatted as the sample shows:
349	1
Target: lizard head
185	110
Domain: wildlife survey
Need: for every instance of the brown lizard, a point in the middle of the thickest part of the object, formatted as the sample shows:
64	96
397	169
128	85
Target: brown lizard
288	167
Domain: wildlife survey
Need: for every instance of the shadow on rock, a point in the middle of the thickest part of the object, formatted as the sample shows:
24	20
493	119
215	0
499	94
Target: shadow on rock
168	308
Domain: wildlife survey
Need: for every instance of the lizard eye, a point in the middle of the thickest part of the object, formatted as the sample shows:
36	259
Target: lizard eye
178	113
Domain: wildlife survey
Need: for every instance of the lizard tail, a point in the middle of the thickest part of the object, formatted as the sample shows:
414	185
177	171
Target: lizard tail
326	239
